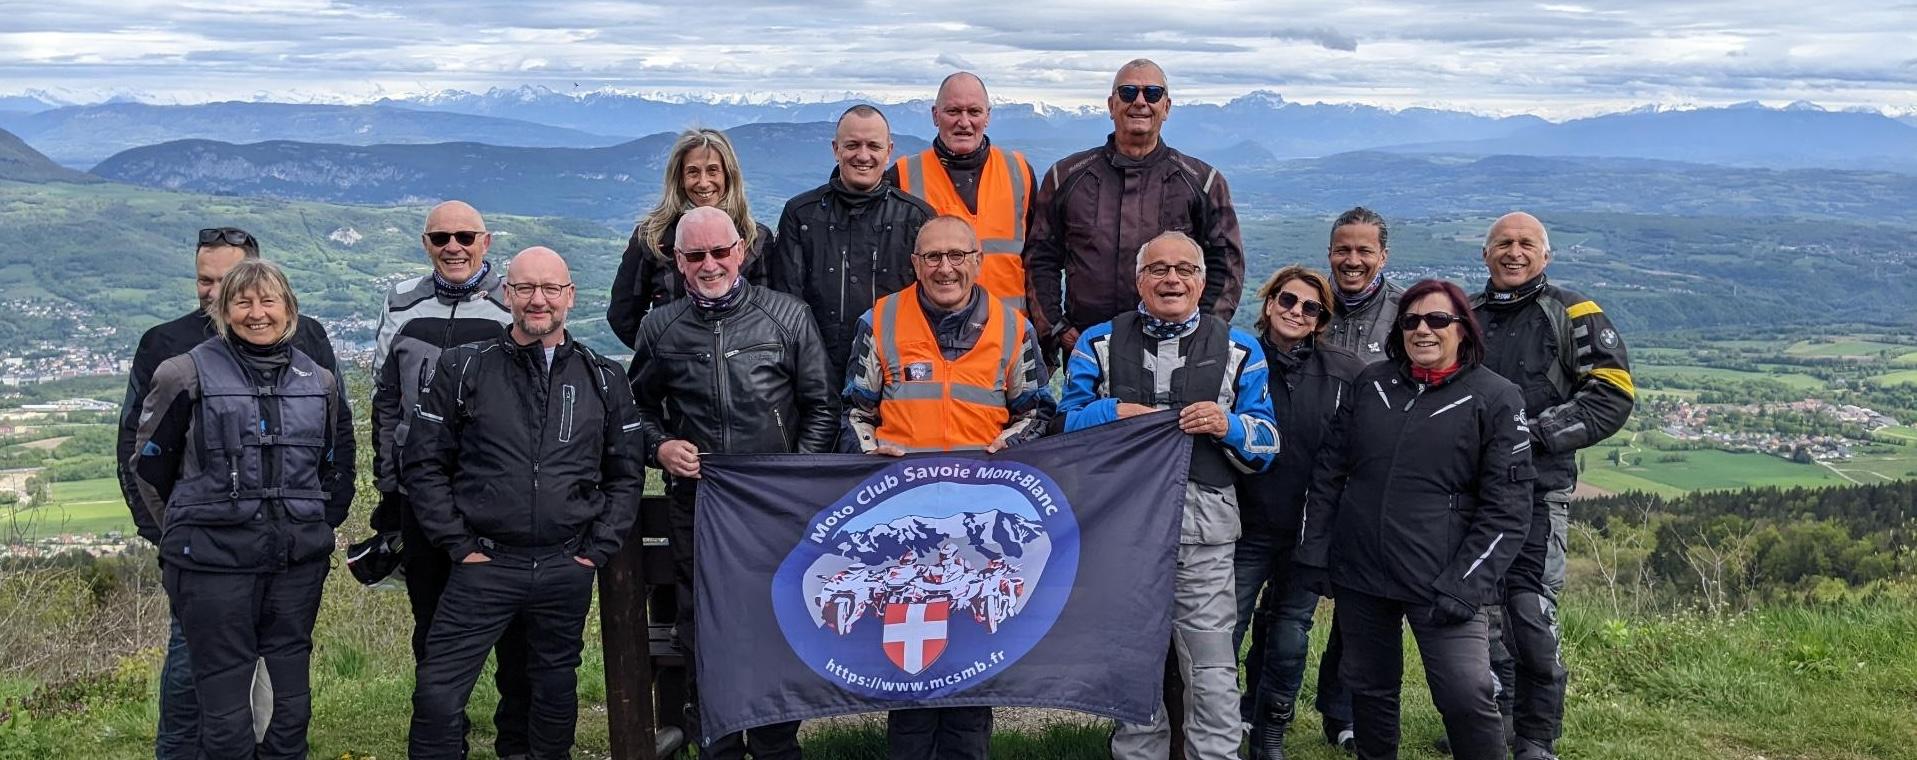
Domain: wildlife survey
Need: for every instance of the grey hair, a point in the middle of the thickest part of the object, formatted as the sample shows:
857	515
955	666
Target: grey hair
1138	263
1541	228
261	278
1143	63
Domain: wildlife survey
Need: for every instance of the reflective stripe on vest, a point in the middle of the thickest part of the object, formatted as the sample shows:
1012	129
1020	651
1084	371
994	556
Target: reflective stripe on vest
930	403
1003	187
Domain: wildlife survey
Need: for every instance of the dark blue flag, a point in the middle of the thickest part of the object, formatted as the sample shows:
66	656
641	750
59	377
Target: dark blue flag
1040	576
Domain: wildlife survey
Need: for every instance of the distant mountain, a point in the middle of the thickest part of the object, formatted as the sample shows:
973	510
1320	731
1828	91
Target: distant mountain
81	136
1909	118
991	533
1286	129
28	102
21	163
613	185
1799	135
1422	186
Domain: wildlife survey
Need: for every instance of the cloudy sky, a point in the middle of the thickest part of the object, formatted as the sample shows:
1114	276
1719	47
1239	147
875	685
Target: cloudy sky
1560	58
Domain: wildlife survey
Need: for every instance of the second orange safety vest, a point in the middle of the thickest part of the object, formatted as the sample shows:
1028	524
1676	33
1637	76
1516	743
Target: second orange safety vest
1004	184
930	403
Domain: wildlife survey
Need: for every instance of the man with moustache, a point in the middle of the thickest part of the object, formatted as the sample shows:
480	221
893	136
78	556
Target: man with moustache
1364	301
219	248
759	385
1169	354
944	366
847	243
1571	364
1096	208
964	175
522	468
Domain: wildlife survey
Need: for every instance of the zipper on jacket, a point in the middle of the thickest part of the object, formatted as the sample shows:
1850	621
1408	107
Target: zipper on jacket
452	317
779	419
719	362
845	262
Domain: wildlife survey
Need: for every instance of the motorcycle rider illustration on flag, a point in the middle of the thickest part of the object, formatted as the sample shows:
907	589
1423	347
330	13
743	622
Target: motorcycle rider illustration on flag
991	594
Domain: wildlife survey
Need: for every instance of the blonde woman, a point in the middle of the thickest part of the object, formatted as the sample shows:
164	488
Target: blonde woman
244	456
702	170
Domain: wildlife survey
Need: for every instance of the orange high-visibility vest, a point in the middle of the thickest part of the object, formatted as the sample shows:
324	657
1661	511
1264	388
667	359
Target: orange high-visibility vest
1003	186
930	403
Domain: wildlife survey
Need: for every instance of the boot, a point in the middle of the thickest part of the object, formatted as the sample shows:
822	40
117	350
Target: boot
1339	734
1534	749
1268	735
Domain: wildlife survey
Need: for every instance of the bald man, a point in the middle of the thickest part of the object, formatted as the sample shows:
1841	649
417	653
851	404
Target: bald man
964	175
458	301
1567	356
522	469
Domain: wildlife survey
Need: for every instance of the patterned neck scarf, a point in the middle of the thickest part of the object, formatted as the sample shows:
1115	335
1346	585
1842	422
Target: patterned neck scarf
722	303
1353	302
1164	330
458	290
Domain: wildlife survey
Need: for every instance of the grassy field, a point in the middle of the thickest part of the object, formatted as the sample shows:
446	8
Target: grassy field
1844	346
1706	470
80	506
1791	379
1900	377
1787	683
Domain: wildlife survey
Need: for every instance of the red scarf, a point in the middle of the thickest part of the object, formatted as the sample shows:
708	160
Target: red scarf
1433	376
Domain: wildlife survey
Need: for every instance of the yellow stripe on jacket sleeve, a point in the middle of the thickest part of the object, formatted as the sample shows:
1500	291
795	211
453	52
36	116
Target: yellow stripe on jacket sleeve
1616	377
1584	309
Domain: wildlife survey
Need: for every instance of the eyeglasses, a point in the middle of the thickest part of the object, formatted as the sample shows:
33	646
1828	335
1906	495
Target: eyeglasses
1129	92
527	289
1309	308
1161	271
1438	320
718	254
227	235
934	258
465	237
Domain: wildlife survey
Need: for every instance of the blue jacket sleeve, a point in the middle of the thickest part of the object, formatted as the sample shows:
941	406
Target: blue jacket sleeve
1252	435
1080	403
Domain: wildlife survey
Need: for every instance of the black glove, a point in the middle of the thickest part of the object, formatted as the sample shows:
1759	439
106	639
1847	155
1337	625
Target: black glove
387	516
1447	610
1312	579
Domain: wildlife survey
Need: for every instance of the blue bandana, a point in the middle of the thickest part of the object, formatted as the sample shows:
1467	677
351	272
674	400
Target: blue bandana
1160	329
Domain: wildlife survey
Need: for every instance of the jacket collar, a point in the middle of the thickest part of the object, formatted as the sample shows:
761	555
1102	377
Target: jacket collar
1122	161
972	160
1522	294
1404	372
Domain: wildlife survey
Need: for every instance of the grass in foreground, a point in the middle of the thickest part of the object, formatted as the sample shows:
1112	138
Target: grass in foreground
1797	683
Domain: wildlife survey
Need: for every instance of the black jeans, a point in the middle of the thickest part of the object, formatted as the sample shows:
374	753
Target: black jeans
232	621
548	593
779	741
426	569
939	733
1457	666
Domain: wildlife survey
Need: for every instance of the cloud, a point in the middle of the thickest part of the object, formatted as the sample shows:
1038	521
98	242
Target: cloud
1551	56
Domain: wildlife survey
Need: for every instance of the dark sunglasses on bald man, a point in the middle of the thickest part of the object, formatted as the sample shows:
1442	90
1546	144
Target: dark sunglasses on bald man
1311	308
718	254
465	237
1129	92
1438	320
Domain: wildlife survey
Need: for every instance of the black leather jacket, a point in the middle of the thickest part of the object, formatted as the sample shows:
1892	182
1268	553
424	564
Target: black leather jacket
750	379
839	250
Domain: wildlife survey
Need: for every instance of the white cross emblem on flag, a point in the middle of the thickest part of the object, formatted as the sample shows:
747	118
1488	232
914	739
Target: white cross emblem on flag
915	634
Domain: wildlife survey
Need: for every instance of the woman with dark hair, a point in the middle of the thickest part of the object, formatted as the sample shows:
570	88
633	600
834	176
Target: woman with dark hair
702	170
244	455
1310	380
1416	509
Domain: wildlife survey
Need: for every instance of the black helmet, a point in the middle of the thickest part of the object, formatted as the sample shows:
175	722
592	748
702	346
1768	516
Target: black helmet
375	558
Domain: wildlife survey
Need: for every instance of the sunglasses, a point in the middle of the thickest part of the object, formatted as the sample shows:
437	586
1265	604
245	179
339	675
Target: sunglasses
1311	308
465	237
1438	320
225	235
718	254
1129	92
